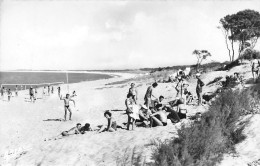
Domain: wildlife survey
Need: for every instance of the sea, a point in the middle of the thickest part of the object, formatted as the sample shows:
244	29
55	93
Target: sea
40	79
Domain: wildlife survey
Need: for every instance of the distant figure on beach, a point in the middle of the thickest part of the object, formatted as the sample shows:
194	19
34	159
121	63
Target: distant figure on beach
199	86
85	128
58	91
2	92
255	64
111	123
16	90
44	91
9	94
48	89
31	93
72	131
180	86
66	100
133	91
149	94
181	109
158	118
52	89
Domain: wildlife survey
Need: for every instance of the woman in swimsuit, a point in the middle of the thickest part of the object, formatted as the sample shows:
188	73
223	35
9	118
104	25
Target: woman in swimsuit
66	100
111	123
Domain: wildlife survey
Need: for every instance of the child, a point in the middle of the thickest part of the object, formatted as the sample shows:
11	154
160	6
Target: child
9	94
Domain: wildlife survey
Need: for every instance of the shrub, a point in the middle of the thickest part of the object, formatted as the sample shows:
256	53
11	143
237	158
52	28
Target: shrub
205	142
215	80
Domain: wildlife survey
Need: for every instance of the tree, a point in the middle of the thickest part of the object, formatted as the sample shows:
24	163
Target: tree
201	54
242	28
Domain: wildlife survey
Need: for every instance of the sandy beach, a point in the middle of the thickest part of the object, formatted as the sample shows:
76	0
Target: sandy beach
25	125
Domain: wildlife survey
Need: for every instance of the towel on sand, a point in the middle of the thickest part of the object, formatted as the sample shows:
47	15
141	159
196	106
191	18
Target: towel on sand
135	113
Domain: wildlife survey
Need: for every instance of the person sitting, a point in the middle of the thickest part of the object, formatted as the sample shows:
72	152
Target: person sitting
85	128
173	115
158	118
155	102
111	123
189	96
181	109
72	131
144	114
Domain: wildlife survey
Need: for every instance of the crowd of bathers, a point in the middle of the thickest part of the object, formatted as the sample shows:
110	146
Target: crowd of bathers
153	112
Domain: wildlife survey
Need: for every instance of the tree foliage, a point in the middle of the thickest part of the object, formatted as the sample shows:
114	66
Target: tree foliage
242	28
201	55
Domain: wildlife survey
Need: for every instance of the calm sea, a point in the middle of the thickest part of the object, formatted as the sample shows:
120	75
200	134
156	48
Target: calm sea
46	77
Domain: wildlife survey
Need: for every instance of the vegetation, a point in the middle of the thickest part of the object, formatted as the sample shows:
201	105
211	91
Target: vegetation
205	142
243	28
201	55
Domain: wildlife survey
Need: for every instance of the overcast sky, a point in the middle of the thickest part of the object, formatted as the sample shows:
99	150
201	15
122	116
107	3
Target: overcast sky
67	34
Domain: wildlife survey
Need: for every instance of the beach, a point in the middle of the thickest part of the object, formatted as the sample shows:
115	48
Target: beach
24	125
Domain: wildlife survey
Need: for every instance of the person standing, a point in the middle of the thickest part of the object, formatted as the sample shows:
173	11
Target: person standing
16	90
9	94
255	65
199	86
2	92
48	90
58	91
149	94
180	86
52	89
31	93
133	91
66	100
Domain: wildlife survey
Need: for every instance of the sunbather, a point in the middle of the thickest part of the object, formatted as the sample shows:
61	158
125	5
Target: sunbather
72	131
111	123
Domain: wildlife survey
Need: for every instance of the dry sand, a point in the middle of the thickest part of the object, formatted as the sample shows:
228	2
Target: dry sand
23	127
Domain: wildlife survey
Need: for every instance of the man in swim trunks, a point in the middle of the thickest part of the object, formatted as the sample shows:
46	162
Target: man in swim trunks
31	93
66	100
149	94
85	128
72	131
159	118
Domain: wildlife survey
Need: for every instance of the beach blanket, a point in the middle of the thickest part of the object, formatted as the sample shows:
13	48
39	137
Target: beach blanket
135	113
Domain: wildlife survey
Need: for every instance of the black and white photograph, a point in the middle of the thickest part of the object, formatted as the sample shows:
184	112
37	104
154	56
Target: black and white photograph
129	83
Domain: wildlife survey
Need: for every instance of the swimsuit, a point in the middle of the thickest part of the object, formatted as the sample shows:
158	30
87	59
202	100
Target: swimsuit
164	123
114	125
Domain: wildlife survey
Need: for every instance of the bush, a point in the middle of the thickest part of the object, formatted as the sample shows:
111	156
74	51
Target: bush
205	142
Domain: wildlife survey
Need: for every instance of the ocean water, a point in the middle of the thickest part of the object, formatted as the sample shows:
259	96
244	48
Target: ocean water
46	77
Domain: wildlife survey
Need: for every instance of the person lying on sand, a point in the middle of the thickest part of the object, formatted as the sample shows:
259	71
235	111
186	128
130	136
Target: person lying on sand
111	123
72	131
159	118
85	128
66	100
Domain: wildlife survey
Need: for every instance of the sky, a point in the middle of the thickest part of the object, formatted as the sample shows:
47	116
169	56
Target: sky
86	35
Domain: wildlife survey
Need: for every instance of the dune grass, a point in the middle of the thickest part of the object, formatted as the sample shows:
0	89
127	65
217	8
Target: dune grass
205	142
